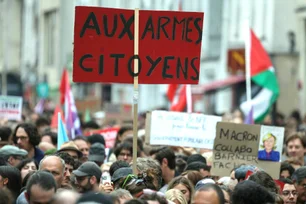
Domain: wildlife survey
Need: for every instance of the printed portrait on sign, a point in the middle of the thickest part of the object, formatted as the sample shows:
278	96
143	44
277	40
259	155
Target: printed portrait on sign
270	144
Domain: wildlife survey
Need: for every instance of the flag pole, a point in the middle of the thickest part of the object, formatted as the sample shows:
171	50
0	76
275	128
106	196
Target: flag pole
189	98
247	60
136	93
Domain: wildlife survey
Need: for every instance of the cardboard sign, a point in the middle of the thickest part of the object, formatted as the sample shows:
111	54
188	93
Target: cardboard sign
169	46
237	144
10	107
183	129
109	135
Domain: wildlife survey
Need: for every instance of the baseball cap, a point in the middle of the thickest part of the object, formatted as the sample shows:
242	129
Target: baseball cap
95	198
72	147
88	169
97	152
8	150
202	182
120	173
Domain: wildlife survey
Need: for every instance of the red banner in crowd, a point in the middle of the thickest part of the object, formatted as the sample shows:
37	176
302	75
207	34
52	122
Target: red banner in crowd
109	135
169	46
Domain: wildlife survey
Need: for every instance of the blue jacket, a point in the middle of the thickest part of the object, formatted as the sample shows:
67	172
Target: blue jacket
272	156
38	154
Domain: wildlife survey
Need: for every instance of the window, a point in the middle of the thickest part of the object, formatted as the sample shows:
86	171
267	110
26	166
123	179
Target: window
50	29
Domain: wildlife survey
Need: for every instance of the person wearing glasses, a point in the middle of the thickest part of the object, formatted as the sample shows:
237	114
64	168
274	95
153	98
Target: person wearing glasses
289	193
26	137
299	180
269	145
87	177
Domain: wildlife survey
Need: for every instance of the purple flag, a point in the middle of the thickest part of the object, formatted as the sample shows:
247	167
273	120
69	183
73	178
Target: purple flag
249	119
73	123
39	108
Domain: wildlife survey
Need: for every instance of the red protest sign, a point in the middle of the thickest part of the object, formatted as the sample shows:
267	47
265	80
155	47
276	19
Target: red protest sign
169	46
109	135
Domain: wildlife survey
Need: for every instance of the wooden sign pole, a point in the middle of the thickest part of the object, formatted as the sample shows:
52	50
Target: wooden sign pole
136	93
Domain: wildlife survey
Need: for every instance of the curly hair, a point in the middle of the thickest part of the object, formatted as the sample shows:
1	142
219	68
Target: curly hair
32	132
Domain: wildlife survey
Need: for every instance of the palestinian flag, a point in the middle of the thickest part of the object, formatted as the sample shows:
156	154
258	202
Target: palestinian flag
263	75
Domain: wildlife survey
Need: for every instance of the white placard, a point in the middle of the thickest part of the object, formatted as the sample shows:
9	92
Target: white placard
183	129
10	107
271	143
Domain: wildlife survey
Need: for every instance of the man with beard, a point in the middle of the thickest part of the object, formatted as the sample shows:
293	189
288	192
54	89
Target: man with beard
87	177
26	137
69	167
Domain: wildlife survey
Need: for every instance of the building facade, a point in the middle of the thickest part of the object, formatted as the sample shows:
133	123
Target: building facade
39	45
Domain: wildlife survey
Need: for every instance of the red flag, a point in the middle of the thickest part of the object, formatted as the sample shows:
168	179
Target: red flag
177	96
63	86
177	93
259	59
54	121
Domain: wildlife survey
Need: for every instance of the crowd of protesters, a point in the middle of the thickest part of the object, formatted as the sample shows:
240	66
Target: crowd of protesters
33	170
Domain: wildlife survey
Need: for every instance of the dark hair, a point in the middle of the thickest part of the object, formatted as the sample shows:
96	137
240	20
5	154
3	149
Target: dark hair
91	124
297	135
299	175
80	137
264	180
287	167
251	193
3	161
139	142
117	165
184	181
124	146
14	178
154	197
296	115
41	121
286	181
136	201
197	166
196	158
66	157
25	162
43	179
180	165
216	188
6	196
32	132
193	176
120	132
136	185
52	135
164	153
25	180
5	133
96	138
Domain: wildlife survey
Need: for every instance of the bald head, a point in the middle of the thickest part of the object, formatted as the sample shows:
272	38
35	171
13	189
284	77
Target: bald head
66	197
56	166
